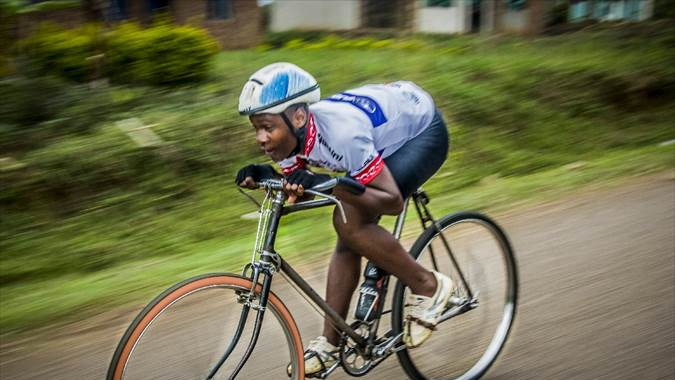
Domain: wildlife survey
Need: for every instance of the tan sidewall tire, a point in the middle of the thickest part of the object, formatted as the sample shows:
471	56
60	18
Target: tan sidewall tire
145	318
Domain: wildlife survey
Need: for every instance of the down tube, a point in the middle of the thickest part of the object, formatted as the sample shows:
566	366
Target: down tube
330	313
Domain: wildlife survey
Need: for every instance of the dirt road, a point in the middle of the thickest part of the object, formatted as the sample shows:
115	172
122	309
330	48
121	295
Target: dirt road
597	298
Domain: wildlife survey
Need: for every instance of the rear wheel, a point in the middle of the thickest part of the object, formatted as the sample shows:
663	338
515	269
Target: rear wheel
464	346
183	333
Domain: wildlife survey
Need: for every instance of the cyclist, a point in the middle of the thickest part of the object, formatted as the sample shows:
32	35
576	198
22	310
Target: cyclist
390	138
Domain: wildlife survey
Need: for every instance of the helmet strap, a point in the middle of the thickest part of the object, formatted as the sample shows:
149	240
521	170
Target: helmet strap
288	122
299	133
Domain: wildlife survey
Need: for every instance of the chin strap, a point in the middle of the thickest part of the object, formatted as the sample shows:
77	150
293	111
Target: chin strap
299	133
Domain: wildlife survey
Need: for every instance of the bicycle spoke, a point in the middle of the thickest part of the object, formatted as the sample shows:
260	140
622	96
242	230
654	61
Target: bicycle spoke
472	330
453	259
432	256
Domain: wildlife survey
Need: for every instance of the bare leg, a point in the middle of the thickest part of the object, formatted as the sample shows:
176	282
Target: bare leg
343	277
379	246
363	235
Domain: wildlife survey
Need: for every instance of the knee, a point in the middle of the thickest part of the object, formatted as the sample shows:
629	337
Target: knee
397	204
344	252
351	233
344	230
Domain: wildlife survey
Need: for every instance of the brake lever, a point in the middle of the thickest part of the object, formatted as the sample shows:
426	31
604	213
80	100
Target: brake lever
255	201
268	185
277	185
332	199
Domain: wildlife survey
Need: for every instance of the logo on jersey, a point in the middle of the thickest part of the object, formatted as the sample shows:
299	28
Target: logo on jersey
310	139
365	103
336	156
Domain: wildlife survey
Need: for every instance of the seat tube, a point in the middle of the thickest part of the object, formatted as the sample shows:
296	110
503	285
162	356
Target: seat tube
400	220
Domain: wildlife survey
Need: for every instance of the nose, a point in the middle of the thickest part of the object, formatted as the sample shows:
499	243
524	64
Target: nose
261	137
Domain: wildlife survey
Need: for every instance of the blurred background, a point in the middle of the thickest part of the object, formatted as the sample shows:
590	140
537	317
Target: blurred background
120	138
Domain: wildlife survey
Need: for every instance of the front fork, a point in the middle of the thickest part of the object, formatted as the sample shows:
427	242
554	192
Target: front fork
248	300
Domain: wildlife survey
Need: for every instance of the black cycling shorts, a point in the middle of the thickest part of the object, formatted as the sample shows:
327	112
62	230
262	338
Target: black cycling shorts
418	159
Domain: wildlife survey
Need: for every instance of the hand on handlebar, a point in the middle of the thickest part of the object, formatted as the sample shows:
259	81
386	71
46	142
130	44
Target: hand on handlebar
296	183
250	175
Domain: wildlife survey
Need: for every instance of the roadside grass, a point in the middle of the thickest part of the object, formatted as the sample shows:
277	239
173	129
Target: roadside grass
302	238
89	221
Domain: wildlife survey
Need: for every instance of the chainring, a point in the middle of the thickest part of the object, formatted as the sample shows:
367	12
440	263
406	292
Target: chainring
352	358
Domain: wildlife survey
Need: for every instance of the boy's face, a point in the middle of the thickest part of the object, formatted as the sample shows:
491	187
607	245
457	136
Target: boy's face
273	135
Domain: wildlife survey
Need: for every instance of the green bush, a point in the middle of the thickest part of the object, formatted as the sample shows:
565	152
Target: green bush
280	39
29	109
27	101
161	54
664	9
62	52
558	14
40	6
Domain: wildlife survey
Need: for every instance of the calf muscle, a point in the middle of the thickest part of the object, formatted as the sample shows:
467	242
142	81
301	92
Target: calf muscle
363	236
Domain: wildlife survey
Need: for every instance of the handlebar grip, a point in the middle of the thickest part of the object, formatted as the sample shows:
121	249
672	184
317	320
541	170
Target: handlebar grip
351	185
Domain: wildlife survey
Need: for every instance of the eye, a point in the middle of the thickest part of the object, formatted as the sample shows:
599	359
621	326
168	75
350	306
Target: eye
263	127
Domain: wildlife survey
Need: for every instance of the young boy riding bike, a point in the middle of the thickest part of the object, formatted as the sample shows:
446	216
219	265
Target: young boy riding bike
390	138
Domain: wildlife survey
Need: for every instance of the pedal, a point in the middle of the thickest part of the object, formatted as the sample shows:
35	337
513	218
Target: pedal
318	375
389	346
324	374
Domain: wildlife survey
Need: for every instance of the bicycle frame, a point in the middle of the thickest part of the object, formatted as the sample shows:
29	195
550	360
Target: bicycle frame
270	262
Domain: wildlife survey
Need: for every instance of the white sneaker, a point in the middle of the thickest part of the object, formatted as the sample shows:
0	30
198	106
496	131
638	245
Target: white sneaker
319	356
424	312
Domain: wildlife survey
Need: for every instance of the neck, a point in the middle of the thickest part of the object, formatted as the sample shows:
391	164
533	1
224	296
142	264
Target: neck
300	135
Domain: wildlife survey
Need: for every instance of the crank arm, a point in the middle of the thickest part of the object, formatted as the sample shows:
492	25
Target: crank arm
390	346
459	309
328	371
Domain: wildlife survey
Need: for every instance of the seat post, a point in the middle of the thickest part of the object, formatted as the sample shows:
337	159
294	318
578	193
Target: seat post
421	200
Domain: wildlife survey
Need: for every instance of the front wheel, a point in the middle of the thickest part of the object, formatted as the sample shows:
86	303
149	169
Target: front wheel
465	345
183	333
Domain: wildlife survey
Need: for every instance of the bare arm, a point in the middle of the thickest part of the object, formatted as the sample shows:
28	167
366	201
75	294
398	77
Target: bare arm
381	196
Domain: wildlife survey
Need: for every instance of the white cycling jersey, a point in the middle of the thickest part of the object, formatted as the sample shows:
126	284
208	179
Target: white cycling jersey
354	130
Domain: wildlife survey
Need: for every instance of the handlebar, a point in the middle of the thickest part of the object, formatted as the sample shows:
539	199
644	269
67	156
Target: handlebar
348	183
319	190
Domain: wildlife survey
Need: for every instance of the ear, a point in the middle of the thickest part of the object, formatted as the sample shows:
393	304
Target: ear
299	118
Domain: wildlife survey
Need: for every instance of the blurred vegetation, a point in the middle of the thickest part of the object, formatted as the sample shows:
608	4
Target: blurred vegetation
558	15
127	53
664	9
162	54
13	7
90	220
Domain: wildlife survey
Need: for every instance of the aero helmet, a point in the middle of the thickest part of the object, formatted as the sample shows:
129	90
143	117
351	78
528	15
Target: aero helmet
275	87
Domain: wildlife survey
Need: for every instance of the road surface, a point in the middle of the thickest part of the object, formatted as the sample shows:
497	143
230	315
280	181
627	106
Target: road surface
597	298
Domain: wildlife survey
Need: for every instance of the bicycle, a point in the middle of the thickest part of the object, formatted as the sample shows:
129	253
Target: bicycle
229	303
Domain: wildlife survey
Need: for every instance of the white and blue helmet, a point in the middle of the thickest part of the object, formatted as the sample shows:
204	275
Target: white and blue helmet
275	87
